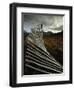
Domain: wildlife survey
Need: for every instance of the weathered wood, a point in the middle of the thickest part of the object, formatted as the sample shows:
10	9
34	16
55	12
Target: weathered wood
39	60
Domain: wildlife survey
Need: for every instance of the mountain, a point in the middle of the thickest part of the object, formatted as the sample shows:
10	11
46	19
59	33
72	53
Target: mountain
51	34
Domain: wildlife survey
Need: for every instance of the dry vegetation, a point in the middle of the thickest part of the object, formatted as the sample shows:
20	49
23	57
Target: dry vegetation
54	45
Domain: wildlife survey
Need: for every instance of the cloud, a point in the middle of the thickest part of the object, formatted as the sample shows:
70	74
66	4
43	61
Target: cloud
49	21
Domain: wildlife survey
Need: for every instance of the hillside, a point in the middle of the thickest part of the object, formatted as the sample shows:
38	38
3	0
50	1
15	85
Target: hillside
54	45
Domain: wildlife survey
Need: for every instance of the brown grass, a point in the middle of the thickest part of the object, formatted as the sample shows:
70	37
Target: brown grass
54	45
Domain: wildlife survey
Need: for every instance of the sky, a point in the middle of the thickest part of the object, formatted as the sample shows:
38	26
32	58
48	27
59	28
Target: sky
53	23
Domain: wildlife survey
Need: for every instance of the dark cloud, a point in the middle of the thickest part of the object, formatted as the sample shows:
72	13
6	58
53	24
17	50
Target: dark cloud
48	20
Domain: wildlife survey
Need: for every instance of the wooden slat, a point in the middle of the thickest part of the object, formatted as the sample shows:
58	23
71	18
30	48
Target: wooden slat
36	56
